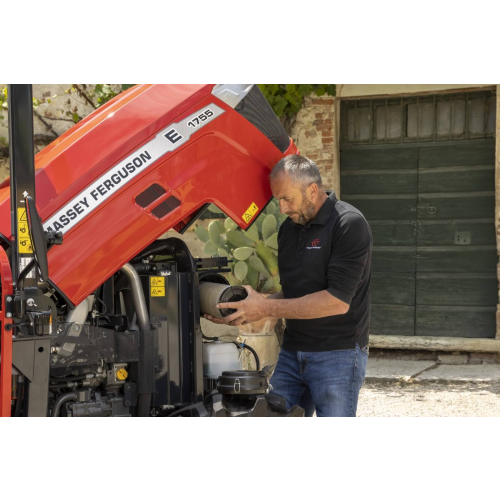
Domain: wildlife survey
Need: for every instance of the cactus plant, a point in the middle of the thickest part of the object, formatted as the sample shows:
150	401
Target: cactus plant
253	252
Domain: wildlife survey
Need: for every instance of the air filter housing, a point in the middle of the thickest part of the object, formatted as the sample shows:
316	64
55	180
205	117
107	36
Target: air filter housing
212	294
242	383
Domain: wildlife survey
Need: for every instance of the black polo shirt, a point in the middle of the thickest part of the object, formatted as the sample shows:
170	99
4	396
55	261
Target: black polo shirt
333	253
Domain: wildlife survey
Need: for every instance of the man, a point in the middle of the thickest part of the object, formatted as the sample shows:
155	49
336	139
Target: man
324	259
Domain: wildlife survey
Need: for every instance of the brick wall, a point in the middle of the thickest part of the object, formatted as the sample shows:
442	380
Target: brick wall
314	132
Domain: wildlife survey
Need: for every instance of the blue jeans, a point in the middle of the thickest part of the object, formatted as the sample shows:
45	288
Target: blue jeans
325	382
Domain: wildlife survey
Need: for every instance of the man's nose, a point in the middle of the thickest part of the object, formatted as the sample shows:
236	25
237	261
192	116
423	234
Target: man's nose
283	206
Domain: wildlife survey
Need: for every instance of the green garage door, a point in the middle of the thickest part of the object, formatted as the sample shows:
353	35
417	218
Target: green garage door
431	204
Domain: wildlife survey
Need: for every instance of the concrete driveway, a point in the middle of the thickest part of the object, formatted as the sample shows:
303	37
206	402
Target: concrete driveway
429	388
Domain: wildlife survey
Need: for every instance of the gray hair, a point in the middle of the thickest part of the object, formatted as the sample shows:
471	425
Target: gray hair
302	170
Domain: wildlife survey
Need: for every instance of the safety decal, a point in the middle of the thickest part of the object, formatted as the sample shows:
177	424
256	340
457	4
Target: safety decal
166	141
250	212
23	233
157	286
158	291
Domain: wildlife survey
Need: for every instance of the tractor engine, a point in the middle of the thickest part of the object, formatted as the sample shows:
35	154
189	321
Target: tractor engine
135	346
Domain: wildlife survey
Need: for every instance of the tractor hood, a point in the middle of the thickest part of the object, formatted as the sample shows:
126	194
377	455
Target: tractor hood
148	161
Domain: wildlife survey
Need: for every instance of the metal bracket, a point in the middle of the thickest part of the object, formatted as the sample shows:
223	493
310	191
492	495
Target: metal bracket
9	306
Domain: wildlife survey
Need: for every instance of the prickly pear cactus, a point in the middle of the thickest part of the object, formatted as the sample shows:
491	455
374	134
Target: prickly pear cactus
253	252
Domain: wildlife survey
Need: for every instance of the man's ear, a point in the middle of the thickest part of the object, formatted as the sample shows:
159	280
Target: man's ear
313	191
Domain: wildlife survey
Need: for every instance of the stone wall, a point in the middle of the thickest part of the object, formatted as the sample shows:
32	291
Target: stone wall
314	132
4	169
50	119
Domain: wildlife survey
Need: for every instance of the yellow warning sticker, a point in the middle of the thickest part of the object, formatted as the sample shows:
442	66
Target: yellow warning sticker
157	286
158	291
157	281
250	212
23	236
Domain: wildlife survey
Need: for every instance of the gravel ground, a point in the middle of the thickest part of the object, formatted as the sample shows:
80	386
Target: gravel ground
433	399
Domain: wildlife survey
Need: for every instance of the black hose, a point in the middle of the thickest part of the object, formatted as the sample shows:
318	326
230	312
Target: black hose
67	385
183	409
6	243
257	361
68	379
19	396
155	248
143	268
70	396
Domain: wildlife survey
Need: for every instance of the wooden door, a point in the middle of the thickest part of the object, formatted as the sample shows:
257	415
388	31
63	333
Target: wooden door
422	172
383	183
457	284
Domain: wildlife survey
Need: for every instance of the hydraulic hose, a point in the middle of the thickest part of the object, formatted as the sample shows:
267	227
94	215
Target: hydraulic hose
70	396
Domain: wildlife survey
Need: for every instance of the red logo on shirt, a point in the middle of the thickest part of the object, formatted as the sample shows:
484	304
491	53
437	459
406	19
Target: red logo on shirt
315	243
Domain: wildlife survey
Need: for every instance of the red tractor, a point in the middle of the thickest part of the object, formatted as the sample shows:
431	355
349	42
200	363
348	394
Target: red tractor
100	317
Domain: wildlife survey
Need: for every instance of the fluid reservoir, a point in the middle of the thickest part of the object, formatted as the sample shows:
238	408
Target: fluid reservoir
219	357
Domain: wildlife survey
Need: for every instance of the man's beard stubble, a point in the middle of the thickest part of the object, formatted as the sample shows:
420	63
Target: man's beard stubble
306	213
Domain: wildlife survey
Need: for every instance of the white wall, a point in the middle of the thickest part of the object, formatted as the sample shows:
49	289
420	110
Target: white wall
381	89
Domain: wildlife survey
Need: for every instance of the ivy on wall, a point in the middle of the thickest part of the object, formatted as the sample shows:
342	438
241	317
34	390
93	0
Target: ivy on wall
287	98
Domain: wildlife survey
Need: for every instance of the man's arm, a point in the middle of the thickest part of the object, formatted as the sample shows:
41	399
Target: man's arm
250	290
255	307
350	250
316	305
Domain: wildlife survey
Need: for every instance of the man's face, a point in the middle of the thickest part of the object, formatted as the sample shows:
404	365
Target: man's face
294	200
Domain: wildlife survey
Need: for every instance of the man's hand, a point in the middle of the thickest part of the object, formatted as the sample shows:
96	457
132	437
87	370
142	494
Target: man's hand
250	310
316	305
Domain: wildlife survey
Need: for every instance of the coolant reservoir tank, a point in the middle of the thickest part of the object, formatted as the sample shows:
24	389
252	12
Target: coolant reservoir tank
219	357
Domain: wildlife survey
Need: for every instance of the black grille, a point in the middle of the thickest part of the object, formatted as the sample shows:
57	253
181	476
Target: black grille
259	113
151	194
166	207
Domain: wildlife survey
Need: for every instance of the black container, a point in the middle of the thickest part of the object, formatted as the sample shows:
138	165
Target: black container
242	383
